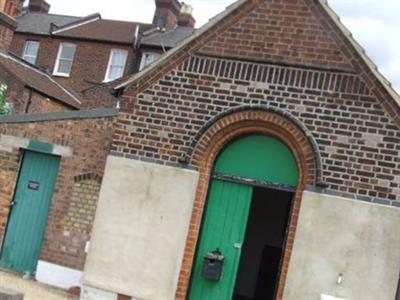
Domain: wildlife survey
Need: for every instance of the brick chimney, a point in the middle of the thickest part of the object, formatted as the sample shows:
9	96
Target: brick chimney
11	7
166	14
8	9
185	16
38	6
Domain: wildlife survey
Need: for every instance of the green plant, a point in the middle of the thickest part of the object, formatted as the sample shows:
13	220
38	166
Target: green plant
4	108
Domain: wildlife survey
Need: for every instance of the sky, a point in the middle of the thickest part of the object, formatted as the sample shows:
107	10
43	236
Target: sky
375	24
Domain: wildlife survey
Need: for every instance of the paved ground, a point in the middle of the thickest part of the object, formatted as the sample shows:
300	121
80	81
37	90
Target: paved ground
31	289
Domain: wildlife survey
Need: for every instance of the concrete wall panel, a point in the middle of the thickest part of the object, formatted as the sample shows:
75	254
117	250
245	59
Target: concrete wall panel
140	229
354	240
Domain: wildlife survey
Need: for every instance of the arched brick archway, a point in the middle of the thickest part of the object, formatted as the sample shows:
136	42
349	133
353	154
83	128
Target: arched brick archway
218	133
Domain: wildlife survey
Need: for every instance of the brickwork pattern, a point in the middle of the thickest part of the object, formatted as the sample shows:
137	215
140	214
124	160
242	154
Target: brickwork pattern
332	92
90	140
359	142
211	143
79	217
281	30
9	166
6	36
82	206
42	104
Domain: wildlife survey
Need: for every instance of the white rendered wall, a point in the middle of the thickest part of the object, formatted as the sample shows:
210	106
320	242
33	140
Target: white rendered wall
346	249
140	229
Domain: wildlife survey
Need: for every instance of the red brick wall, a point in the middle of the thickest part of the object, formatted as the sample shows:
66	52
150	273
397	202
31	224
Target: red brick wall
358	140
7	27
9	166
42	104
281	30
24	100
90	62
78	180
6	35
283	55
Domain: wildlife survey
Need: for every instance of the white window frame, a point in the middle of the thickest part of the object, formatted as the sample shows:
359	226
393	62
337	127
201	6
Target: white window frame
55	71
107	76
24	54
142	61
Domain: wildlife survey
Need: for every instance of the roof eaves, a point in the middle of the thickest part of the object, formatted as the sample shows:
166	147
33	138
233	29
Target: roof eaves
78	23
29	66
360	50
165	58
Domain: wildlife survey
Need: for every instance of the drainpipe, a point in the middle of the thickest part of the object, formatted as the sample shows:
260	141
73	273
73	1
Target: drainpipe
28	104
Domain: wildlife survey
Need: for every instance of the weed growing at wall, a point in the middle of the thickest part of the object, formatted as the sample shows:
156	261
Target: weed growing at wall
4	107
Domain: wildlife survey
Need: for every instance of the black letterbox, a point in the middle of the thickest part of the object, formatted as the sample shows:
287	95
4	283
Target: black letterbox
212	265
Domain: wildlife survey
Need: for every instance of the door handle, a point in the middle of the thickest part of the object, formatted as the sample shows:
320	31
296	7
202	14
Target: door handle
237	246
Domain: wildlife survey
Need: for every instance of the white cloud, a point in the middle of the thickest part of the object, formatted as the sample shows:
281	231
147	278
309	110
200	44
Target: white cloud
378	39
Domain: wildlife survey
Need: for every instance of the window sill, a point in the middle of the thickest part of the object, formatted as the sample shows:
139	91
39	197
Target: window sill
110	80
61	75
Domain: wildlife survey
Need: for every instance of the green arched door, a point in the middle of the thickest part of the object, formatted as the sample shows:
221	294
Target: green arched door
255	158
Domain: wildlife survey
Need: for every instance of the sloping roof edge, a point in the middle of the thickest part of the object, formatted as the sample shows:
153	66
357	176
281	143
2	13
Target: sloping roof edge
324	4
165	58
85	20
360	50
33	68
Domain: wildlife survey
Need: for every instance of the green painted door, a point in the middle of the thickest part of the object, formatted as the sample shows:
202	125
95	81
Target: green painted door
256	157
224	229
27	221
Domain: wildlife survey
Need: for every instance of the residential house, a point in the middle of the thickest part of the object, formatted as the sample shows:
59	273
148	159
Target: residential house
85	52
65	122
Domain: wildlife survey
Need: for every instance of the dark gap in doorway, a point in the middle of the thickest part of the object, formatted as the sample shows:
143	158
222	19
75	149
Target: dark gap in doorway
262	250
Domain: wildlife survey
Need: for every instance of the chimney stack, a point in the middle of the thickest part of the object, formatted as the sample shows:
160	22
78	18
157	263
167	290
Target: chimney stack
11	7
166	14
39	6
185	16
8	9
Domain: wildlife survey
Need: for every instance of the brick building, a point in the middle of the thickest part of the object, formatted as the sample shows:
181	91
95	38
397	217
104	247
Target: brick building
85	52
266	137
64	123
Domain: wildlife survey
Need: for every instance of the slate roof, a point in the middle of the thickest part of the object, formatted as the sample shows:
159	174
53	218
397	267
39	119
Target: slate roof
38	80
167	39
105	30
91	27
39	23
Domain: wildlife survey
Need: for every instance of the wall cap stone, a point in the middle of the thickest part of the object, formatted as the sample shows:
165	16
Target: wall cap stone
57	116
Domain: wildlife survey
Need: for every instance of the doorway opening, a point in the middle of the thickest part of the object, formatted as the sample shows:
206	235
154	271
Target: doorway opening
245	221
262	251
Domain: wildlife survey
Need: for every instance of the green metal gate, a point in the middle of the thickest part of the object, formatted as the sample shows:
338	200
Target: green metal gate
253	159
27	220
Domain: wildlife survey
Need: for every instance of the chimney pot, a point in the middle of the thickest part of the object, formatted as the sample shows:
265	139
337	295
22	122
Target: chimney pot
186	9
185	17
167	13
40	6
